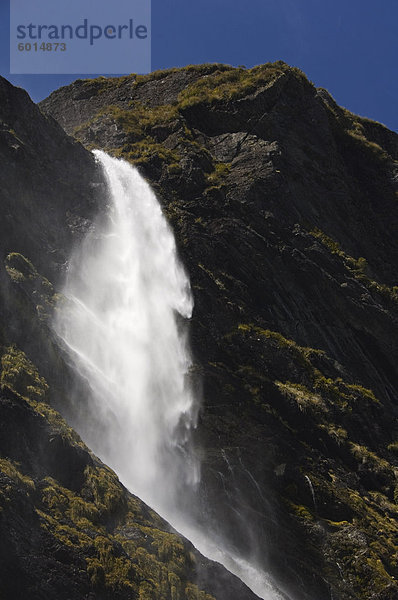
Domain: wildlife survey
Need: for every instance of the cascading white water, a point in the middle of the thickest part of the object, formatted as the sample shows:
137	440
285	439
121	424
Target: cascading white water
127	297
125	291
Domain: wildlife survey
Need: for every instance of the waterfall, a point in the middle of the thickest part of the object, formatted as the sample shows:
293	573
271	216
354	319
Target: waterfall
123	319
126	292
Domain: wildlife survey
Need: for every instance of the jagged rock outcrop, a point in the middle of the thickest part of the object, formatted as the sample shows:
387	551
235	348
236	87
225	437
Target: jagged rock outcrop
68	528
285	209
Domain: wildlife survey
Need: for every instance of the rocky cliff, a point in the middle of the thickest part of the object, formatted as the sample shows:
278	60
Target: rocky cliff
68	528
285	210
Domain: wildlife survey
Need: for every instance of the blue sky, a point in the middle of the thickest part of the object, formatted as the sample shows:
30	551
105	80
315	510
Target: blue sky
347	46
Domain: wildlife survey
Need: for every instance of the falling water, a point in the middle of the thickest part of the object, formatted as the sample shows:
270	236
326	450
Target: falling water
312	491
127	299
126	291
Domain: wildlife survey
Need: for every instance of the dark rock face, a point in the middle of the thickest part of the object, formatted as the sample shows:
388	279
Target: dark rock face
49	184
68	528
50	189
285	209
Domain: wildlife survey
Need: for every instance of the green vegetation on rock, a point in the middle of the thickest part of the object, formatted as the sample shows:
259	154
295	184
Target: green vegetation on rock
126	547
20	375
357	267
234	83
